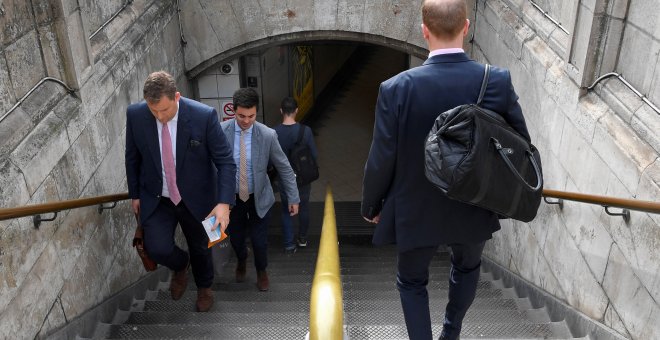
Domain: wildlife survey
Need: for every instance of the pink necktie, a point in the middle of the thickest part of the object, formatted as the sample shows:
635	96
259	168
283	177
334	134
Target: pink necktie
168	164
243	191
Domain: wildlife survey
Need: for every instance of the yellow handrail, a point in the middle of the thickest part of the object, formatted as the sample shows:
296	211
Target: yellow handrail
326	319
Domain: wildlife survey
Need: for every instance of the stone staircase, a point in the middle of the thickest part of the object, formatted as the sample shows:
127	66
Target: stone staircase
371	303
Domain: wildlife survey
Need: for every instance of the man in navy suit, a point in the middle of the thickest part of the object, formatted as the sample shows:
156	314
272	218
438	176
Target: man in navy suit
408	210
180	170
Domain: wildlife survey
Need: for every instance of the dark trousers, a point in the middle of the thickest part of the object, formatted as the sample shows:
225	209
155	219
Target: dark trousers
303	216
159	231
243	220
413	277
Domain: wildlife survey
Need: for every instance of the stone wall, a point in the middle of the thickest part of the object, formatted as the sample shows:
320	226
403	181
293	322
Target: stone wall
601	142
219	30
60	146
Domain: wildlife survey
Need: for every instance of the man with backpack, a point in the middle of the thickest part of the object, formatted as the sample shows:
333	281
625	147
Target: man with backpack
297	142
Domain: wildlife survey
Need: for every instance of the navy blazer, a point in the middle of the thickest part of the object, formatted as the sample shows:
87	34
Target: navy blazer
205	169
413	212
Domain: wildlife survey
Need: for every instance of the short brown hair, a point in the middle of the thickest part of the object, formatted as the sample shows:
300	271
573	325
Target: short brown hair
157	85
444	18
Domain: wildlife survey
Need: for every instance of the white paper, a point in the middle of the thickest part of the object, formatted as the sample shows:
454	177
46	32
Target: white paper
213	235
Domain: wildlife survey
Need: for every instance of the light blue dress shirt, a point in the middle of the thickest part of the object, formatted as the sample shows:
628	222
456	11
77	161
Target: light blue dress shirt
248	154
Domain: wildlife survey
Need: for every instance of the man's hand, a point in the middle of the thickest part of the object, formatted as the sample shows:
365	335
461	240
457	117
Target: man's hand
136	206
374	220
221	213
293	209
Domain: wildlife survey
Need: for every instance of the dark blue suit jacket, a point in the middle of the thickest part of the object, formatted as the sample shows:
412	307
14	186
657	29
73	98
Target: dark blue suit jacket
205	169
413	212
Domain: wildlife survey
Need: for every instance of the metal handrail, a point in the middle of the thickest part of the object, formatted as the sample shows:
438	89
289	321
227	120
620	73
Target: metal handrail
605	201
545	13
128	2
625	82
55	207
326	319
43	80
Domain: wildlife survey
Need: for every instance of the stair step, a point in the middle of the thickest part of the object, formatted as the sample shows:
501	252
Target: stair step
438	303
310	259
288	318
305	283
364	269
355	332
477	316
207	331
476	330
303	295
355	318
279	277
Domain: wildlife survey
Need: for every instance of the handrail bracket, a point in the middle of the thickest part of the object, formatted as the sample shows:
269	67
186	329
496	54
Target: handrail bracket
625	213
559	202
37	219
106	207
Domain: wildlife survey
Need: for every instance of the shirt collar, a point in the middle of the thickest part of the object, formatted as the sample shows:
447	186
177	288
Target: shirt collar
176	115
445	51
237	128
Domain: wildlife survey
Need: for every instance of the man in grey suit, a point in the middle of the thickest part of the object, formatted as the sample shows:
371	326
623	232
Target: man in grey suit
396	195
254	145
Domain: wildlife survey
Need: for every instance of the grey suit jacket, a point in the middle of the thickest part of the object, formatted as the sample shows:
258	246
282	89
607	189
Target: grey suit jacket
265	148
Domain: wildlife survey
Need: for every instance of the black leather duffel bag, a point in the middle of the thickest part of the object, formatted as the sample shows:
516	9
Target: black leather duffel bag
474	156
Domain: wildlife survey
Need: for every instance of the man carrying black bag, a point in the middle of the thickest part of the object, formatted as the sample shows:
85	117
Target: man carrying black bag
407	208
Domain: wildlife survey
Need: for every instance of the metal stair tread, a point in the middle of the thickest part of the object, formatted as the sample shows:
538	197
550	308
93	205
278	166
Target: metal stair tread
304	294
178	317
481	331
476	316
207	331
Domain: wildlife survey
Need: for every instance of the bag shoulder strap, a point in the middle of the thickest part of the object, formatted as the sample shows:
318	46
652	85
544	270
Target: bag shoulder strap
484	84
301	134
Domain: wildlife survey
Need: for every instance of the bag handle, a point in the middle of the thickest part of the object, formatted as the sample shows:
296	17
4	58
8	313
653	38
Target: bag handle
504	152
484	85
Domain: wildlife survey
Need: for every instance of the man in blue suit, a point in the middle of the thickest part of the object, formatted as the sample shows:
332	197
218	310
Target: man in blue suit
408	210
180	170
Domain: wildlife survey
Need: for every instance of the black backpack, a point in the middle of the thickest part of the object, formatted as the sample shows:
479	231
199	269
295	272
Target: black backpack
302	161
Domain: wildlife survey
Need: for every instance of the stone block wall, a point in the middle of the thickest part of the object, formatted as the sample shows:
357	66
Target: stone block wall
591	142
219	30
59	146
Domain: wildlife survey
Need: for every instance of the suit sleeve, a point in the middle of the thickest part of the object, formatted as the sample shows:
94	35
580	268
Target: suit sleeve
380	166
284	170
222	157
133	160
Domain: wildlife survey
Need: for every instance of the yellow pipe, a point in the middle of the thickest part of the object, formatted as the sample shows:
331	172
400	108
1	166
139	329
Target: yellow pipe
326	320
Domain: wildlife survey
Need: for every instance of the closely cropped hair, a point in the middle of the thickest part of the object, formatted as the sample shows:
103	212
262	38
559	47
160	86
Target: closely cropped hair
157	85
444	18
246	98
288	106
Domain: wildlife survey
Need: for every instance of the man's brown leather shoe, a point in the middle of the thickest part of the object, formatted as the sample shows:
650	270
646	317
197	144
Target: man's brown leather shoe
204	299
240	271
179	283
262	280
